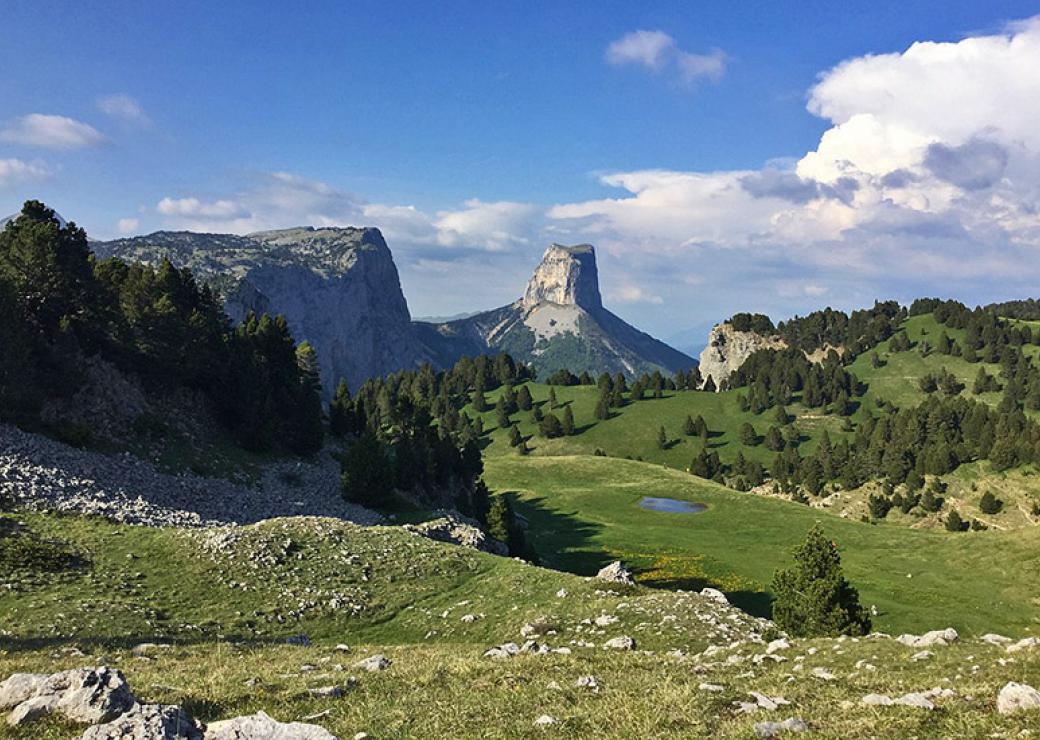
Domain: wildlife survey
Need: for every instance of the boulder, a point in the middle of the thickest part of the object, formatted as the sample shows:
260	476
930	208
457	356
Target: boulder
375	663
624	642
18	687
774	729
148	722
935	638
260	726
87	695
456	529
1017	697
616	572
715	595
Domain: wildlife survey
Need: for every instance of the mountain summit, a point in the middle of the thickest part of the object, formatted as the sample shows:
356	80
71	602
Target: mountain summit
566	276
338	288
559	323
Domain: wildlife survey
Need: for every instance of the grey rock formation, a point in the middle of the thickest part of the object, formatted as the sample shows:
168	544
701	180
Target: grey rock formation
85	695
566	276
44	475
616	572
1017	697
338	288
728	349
455	529
148	721
940	638
374	664
559	323
260	725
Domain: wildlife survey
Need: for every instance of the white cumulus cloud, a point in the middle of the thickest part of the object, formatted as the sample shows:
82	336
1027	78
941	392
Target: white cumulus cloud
127	226
51	132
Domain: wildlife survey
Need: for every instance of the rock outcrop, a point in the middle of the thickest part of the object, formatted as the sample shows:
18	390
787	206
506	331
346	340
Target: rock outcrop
559	323
456	529
338	288
728	349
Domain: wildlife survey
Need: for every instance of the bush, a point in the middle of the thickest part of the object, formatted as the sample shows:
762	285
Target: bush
990	504
954	523
813	598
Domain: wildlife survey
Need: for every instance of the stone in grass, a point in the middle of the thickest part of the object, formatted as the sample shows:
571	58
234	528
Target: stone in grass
260	725
623	642
87	695
715	595
375	663
935	638
152	721
18	687
506	650
616	572
1017	697
774	729
545	720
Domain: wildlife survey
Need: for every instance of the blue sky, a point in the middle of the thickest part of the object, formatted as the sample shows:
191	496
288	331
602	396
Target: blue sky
476	133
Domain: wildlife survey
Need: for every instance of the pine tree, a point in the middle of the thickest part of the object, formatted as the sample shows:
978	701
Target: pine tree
523	398
603	408
662	439
341	411
954	523
515	438
748	437
567	423
709	385
500	520
480	404
502	413
550	426
552	398
781	415
990	504
689	428
813	598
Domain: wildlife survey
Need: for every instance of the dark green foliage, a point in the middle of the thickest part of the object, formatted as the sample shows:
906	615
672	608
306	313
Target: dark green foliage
707	465
662	439
552	398
368	475
515	438
523	398
341	411
985	383
689	428
709	385
954	523
879	506
990	504
756	322
813	599
567	423
504	527
550	426
157	324
774	439
748	436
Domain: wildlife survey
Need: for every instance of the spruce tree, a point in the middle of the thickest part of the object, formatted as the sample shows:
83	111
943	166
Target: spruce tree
748	437
567	423
523	398
813	599
603	407
662	439
341	410
689	428
954	523
515	438
552	398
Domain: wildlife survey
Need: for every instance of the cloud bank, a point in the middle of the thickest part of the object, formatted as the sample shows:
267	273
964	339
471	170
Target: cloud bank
51	132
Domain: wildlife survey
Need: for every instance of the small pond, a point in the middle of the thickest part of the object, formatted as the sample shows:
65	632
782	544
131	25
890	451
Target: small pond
671	505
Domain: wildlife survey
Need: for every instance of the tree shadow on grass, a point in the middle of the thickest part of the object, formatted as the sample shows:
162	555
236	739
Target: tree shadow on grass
756	603
562	541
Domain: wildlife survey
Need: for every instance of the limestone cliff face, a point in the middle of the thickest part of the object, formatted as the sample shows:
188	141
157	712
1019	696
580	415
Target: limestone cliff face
728	348
566	276
559	323
338	288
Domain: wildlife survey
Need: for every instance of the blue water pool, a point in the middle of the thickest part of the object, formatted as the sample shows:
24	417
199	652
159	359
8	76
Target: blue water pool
671	505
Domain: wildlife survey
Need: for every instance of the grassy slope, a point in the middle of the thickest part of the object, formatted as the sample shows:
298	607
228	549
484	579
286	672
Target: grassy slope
140	583
584	511
434	691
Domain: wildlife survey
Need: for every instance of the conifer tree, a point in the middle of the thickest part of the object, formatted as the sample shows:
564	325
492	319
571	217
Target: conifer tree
662	438
954	523
748	437
813	599
709	385
567	423
515	438
523	398
552	398
341	410
689	428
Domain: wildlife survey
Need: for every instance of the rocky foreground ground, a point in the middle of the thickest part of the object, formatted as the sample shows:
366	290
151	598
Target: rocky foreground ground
44	475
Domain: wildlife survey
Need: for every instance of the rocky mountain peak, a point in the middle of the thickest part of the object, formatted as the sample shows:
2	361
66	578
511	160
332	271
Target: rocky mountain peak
566	276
